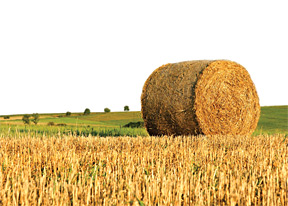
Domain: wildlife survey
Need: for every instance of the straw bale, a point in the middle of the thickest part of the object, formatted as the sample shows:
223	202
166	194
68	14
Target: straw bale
200	97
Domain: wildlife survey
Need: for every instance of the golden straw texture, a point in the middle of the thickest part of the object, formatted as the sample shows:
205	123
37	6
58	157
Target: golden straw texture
200	97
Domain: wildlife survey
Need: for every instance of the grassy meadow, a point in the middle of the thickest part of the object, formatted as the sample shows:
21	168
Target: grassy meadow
94	160
273	119
95	124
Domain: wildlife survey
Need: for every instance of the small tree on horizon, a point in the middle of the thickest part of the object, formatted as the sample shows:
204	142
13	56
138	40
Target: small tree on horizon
126	108
26	119
68	114
87	111
106	110
35	119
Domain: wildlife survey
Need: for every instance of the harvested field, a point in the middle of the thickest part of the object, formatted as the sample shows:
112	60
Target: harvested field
200	97
212	170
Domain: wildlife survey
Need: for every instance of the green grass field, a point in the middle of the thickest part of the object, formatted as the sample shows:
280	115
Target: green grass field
112	119
273	119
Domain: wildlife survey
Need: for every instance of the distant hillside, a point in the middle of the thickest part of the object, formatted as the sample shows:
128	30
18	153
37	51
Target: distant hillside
273	119
102	119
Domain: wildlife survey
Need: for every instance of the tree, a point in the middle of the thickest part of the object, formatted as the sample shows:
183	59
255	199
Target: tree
69	114
51	124
87	111
26	119
106	110
126	108
35	119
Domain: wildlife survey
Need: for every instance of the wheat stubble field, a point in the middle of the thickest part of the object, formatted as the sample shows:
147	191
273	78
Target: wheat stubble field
204	170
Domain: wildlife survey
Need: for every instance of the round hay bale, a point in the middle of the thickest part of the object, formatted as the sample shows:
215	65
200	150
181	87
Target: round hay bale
200	97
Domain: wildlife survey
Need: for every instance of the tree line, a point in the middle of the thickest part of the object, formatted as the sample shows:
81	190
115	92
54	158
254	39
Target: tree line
35	116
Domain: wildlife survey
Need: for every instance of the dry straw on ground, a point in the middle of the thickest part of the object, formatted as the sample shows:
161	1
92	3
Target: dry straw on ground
218	170
200	97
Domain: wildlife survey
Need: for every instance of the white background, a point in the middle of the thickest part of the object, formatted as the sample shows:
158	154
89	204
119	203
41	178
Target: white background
59	56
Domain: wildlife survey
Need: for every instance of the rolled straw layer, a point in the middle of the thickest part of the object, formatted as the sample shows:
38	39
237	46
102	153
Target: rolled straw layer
200	97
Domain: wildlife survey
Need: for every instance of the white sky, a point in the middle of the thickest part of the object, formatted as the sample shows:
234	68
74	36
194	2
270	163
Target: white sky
58	56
